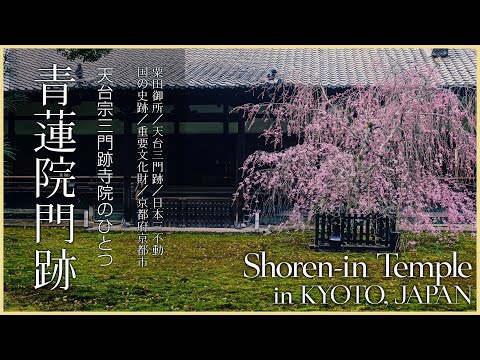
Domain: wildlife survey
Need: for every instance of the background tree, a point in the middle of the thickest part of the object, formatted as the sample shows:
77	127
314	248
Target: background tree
86	55
11	102
405	145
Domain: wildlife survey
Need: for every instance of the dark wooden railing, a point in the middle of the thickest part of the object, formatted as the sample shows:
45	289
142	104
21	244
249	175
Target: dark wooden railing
370	232
182	207
197	212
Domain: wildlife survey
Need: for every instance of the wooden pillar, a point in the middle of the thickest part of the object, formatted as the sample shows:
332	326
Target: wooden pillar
126	101
11	140
225	120
181	111
176	125
240	158
127	171
11	128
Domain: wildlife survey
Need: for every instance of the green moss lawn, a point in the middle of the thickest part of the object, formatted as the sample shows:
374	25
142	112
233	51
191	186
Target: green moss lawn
204	272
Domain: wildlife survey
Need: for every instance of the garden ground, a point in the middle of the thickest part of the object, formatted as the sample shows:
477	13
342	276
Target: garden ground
204	272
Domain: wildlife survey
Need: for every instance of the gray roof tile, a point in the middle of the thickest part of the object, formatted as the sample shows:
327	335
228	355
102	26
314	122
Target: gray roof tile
218	68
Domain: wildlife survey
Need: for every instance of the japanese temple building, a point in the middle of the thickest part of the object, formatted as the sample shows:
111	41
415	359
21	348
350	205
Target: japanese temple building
205	143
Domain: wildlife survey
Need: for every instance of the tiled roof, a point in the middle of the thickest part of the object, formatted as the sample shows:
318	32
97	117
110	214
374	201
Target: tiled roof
219	68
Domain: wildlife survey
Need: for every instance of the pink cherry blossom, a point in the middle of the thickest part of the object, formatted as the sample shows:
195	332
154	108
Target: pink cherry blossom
405	145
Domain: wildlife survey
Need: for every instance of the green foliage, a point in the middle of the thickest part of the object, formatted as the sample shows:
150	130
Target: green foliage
8	149
12	101
203	272
8	153
86	55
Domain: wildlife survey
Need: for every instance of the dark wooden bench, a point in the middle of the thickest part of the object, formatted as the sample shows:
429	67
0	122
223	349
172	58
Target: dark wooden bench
372	232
